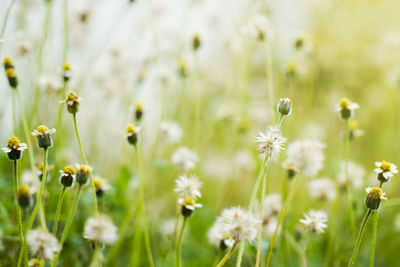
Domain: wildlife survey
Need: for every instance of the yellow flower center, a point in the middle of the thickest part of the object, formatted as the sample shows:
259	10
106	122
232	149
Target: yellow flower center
23	190
72	97
10	73
139	107
69	170
40	167
42	129
97	182
83	168
375	193
385	166
13	143
130	128
292	66
66	66
7	61
353	125
189	201
344	103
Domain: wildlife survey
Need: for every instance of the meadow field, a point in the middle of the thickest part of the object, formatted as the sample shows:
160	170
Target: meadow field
199	133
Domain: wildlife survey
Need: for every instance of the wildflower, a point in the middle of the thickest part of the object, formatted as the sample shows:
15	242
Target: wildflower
270	143
188	190
284	106
291	68
356	174
171	131
40	170
14	148
44	136
315	221
139	111
272	205
374	197
100	228
346	108
258	27
188	205
31	180
8	63
50	83
43	244
305	156
217	236
322	189
385	170
132	134
23	196
67	176
238	224
12	78
354	131
35	262
82	174
72	101
182	69
23	42
101	186
66	72
184	158
196	42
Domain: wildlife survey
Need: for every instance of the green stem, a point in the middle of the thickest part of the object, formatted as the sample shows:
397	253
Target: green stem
373	238
3	27
95	258
281	217
59	205
86	163
179	244
227	256
359	238
260	227
68	225
14	111
143	207
348	192
304	255
21	233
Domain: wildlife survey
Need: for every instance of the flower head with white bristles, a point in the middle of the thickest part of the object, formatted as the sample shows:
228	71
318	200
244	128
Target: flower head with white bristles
270	143
100	228
315	221
42	244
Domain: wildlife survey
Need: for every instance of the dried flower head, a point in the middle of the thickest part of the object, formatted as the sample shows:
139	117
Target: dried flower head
385	170
14	148
374	197
315	221
100	228
42	244
270	143
43	135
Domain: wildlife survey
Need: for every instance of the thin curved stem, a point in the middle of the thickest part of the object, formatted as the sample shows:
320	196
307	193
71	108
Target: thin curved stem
281	217
143	207
179	244
58	212
227	256
18	209
373	238
359	238
68	225
14	111
260	226
3	27
86	163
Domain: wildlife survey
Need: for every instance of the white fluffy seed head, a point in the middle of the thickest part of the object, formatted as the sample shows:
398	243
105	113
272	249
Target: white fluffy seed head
100	228
42	244
315	221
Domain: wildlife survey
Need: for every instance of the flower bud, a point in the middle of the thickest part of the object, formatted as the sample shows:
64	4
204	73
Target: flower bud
196	42
182	68
346	108
7	63
67	176
139	112
12	78
43	135
187	207
23	196
374	197
82	174
132	134
284	106
73	101
66	72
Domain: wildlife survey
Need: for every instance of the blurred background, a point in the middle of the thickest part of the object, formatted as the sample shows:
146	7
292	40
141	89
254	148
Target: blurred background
203	65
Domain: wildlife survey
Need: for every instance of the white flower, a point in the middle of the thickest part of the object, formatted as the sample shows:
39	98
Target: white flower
50	82
258	28
218	237
13	143
356	174
43	130
387	169
184	158
171	131
188	187
23	42
31	180
101	229
315	221
346	108
305	156
42	244
270	143
322	189
272	205
238	224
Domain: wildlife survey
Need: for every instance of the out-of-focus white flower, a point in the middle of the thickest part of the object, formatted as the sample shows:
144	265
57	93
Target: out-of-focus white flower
23	42
346	108
236	224
100	228
258	28
218	237
315	221
184	158
50	83
272	205
322	189
101	185
31	180
305	156
270	143
42	244
356	174
171	131
188	187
